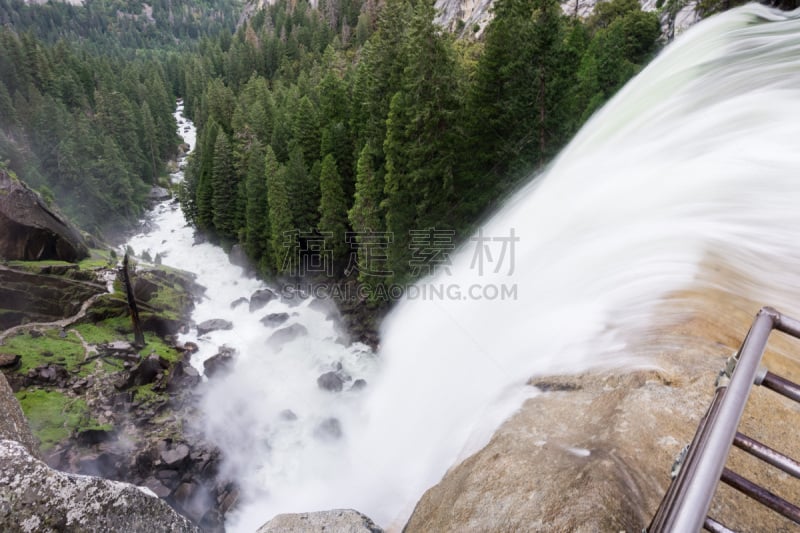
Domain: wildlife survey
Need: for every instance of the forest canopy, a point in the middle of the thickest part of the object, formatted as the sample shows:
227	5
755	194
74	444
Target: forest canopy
347	127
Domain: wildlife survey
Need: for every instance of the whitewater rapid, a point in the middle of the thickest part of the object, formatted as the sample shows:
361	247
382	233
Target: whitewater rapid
694	162
270	417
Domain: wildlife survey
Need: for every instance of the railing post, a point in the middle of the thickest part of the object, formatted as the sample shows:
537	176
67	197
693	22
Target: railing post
696	483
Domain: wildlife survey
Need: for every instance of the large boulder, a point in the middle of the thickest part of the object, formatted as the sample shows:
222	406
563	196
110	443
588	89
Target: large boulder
220	363
274	319
260	298
149	370
30	230
34	497
339	520
287	334
213	324
13	425
330	381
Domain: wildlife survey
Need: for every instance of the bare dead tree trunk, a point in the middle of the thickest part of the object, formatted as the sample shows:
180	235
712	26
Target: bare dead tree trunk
138	336
542	117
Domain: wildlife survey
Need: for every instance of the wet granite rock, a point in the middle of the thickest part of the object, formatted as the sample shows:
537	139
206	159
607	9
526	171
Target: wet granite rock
274	319
34	497
287	334
260	298
330	381
213	325
338	520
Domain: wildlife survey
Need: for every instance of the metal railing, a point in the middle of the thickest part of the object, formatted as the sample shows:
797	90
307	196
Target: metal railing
702	465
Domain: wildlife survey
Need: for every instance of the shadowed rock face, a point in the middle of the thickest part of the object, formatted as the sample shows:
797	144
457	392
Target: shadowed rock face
27	296
30	231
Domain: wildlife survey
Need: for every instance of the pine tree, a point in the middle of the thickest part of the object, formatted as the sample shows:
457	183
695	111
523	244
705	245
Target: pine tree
422	145
225	189
519	98
306	129
379	73
8	115
366	215
256	211
333	213
280	211
303	189
205	188
150	140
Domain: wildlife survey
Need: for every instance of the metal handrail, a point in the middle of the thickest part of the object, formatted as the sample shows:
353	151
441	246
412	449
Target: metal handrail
688	499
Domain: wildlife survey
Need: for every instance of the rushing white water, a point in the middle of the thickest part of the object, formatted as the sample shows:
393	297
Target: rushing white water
693	162
247	413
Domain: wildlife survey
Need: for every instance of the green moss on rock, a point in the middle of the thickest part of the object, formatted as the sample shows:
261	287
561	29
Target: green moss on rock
53	416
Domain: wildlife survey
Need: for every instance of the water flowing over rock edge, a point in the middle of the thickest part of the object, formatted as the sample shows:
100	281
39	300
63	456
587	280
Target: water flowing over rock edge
663	192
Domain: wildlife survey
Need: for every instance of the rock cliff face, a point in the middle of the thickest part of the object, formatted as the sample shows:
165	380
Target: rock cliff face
30	231
593	452
27	296
470	17
13	425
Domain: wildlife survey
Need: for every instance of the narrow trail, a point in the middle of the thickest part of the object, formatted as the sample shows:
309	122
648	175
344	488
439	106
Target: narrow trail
88	349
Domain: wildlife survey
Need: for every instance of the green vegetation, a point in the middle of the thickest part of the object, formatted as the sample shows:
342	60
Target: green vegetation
98	259
155	344
99	333
395	129
122	25
91	131
49	347
53	415
37	266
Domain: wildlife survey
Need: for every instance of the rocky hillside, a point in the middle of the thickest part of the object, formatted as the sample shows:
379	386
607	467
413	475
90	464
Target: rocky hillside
470	17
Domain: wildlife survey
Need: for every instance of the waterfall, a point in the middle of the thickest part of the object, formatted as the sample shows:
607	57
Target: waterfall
690	169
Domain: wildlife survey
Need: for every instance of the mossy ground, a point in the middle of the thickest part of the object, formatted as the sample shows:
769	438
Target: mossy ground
54	416
98	259
49	347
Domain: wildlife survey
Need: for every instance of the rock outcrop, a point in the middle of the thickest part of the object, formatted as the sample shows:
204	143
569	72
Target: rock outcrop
260	298
30	230
40	297
13	425
470	17
338	520
286	334
34	497
593	452
213	324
